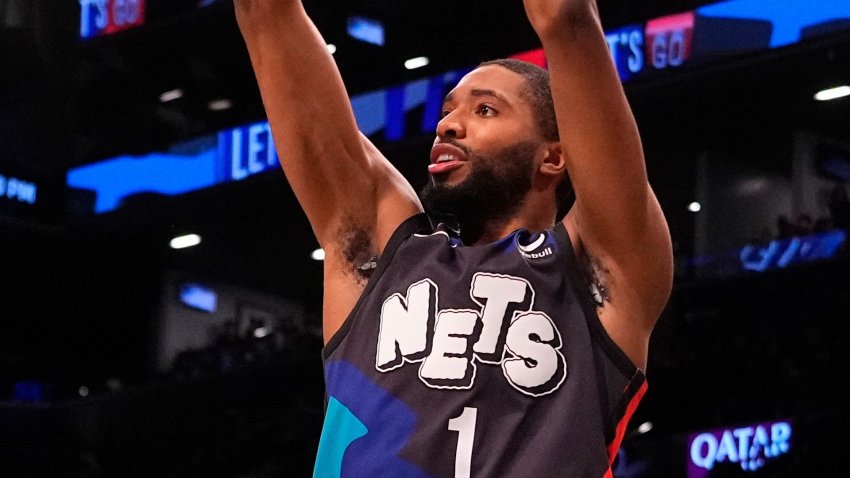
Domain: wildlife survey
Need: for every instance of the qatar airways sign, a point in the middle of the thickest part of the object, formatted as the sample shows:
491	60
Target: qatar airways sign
748	447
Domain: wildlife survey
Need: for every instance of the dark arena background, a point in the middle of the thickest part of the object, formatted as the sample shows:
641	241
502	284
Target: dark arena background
131	129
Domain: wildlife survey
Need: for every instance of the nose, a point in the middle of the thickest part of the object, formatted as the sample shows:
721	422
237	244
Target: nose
450	127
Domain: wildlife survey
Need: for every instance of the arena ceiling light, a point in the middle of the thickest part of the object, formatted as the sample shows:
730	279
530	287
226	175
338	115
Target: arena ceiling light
261	332
833	93
171	95
694	207
220	104
318	254
182	242
417	62
331	48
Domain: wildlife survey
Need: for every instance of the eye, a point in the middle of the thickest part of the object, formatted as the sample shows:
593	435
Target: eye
486	110
444	113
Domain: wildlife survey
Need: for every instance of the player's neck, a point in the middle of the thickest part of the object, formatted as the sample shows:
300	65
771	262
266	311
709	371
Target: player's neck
530	216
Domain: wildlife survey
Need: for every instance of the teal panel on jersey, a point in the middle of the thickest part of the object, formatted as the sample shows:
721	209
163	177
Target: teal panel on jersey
332	446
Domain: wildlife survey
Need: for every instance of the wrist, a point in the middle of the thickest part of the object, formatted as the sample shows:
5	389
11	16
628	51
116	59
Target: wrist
569	21
258	15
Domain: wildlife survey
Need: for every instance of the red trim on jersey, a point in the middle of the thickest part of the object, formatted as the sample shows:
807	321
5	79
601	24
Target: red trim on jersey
614	446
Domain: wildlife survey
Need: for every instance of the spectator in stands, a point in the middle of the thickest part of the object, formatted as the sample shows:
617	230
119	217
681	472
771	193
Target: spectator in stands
839	207
785	227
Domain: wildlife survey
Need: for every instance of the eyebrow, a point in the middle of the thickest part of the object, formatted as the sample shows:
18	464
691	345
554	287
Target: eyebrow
479	92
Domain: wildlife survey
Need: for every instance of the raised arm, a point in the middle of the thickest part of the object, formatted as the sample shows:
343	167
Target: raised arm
353	197
616	216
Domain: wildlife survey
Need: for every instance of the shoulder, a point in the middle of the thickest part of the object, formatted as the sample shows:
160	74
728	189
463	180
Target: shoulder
352	270
626	304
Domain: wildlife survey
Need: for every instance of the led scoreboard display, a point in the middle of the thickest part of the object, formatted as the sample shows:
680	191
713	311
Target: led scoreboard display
245	151
669	40
104	17
30	197
17	190
626	45
662	43
713	32
99	18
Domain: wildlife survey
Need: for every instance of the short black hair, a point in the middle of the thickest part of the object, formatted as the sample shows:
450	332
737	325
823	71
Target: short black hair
539	93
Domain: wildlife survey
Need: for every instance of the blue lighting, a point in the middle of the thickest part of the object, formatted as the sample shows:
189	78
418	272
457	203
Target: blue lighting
237	153
627	50
198	297
750	447
367	30
17	190
777	254
29	391
231	155
785	252
789	17
234	154
163	173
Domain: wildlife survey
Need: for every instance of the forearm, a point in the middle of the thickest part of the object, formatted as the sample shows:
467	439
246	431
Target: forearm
598	132
300	85
307	106
597	128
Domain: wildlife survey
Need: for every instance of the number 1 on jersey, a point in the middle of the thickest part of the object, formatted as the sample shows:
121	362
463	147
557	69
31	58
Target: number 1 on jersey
464	425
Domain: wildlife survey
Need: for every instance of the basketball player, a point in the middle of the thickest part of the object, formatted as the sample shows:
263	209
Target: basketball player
502	343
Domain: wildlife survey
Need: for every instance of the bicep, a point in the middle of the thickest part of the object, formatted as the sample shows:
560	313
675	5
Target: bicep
355	210
637	265
615	212
340	179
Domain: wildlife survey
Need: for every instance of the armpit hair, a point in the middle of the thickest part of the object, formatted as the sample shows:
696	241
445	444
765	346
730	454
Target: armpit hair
358	252
596	277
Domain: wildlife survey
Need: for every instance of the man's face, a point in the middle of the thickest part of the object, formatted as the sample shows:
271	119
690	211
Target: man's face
483	159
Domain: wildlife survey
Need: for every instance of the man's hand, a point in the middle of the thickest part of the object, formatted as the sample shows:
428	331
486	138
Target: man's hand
555	17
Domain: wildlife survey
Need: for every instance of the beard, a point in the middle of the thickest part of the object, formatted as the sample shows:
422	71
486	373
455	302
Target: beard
493	191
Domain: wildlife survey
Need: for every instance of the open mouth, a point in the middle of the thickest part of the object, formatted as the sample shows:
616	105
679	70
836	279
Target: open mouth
445	157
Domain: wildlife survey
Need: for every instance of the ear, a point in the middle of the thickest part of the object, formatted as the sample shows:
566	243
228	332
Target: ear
553	163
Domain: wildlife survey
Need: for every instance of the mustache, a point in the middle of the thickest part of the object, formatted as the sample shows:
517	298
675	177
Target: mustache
466	150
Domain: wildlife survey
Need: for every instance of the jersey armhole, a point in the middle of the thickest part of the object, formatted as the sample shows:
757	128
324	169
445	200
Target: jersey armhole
406	229
600	335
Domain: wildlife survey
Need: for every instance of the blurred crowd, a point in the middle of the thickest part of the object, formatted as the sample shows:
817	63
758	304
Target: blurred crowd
837	205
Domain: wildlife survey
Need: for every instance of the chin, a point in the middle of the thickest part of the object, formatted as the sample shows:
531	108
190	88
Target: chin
451	178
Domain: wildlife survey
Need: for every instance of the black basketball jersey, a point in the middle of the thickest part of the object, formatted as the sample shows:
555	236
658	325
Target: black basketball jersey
475	361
